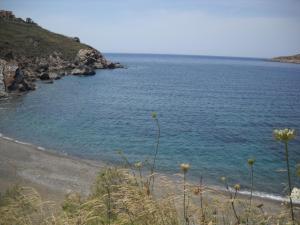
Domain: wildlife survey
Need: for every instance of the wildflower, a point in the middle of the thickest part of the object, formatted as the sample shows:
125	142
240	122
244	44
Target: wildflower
251	162
154	115
237	187
184	167
223	179
284	134
295	195
138	165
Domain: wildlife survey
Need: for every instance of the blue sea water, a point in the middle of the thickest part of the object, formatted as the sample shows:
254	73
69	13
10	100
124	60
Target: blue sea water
214	113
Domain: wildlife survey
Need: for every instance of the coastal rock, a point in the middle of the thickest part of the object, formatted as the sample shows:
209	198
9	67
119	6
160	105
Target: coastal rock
13	78
98	65
2	85
287	59
54	76
84	70
44	76
111	65
88	57
31	53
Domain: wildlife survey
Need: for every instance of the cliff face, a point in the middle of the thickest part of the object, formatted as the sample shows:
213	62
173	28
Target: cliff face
29	52
288	59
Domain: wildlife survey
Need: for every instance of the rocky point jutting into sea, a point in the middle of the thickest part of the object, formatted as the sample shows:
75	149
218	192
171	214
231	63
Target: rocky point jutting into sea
288	59
28	53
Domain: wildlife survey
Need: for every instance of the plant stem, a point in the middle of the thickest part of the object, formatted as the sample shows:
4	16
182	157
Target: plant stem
184	190
233	208
251	191
155	155
201	201
289	180
251	195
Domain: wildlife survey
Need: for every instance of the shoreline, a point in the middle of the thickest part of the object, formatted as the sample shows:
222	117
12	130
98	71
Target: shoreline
52	174
55	174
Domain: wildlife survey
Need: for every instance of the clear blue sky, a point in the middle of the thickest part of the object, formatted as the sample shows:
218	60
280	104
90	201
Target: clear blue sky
250	28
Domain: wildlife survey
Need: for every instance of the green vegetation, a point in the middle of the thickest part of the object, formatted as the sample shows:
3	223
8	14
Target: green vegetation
30	40
122	196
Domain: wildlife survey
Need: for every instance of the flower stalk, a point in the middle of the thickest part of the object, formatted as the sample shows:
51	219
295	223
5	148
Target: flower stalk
285	136
185	168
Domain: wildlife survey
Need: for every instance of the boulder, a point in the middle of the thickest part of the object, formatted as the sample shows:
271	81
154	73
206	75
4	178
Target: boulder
84	70
26	86
88	57
44	76
13	78
111	65
98	65
93	58
54	76
2	85
118	65
42	67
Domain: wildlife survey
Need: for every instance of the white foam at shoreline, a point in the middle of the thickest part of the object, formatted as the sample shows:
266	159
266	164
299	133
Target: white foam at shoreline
255	193
41	148
22	143
7	138
258	194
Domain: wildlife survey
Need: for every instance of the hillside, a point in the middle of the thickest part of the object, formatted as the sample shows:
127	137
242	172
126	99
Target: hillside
30	40
28	52
287	59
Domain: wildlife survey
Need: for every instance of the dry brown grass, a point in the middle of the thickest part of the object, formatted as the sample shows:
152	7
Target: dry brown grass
118	198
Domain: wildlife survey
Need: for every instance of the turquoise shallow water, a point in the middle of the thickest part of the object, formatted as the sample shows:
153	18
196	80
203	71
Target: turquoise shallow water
214	113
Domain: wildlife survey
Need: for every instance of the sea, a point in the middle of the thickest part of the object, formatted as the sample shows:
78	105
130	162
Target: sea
214	113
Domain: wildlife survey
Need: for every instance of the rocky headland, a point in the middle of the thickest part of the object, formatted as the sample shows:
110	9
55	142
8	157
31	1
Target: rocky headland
287	59
29	53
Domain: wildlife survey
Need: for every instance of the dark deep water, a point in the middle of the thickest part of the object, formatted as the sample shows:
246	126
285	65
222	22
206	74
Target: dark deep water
214	113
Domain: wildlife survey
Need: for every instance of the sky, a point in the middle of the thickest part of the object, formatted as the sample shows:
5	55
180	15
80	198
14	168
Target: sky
242	28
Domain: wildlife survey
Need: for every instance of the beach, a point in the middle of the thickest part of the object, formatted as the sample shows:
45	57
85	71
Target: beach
54	175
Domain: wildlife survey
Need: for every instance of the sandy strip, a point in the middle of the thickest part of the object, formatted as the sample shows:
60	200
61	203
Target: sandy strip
53	175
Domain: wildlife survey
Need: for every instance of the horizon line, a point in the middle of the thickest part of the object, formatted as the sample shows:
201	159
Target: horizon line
192	55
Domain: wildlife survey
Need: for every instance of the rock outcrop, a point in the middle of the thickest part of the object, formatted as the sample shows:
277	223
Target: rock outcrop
29	53
18	74
2	85
287	59
12	78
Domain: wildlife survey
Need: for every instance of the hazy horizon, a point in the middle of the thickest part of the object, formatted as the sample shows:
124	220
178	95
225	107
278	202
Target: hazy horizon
236	28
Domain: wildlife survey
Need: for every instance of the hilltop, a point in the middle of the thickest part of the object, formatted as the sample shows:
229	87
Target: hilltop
288	59
29	52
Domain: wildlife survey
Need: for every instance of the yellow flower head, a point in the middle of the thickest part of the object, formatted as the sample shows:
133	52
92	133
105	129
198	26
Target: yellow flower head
184	167
251	162
237	187
138	165
154	115
284	134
